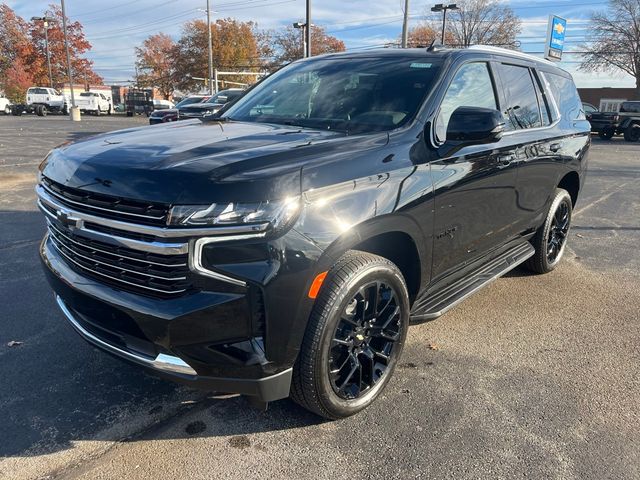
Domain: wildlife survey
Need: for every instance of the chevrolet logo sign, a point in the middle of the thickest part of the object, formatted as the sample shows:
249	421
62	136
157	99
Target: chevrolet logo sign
558	28
66	219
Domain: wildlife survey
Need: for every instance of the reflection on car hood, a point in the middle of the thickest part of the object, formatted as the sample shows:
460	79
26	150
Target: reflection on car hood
163	112
195	161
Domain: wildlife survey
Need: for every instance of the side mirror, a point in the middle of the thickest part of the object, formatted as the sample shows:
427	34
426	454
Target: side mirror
475	126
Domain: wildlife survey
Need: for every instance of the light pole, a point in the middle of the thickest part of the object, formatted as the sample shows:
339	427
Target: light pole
439	7
405	25
45	22
308	31
210	50
303	29
75	113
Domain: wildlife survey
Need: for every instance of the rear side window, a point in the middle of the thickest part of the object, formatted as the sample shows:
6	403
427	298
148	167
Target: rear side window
471	87
522	109
566	95
630	107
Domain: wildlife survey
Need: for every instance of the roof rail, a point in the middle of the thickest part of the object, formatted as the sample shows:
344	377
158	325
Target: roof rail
506	51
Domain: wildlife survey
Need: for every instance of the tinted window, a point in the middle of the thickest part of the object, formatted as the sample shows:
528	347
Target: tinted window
350	94
630	107
471	87
543	101
522	110
566	96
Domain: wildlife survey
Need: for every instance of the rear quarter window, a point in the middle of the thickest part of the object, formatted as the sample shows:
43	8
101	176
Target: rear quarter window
630	107
522	109
566	96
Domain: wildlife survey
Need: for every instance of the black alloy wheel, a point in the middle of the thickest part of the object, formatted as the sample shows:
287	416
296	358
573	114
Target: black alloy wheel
551	238
364	340
354	336
557	236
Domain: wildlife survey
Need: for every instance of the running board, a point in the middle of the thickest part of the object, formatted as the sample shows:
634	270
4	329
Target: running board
433	304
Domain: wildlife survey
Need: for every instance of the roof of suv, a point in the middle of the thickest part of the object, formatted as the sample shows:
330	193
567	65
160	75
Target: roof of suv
443	52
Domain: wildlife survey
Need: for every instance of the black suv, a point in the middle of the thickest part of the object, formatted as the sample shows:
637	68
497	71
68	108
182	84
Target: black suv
285	247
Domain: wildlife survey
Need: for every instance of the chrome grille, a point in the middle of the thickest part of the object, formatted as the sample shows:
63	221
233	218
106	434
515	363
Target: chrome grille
133	270
106	206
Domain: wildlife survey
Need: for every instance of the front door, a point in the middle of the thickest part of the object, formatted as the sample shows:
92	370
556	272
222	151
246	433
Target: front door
475	198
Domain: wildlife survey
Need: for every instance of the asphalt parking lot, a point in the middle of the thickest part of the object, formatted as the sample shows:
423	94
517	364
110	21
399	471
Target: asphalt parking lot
533	377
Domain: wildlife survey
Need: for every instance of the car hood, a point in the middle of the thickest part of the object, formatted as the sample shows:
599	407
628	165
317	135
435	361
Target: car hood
195	162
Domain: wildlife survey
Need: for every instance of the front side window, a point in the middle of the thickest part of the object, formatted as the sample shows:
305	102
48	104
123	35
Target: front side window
349	94
522	109
471	87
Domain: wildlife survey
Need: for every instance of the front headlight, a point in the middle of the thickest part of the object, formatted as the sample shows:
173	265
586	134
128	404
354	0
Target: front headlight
267	214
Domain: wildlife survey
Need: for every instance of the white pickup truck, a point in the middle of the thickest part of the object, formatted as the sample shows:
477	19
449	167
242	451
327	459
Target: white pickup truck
5	105
93	102
44	99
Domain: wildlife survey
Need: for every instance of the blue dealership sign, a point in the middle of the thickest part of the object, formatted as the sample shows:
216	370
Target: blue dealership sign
556	31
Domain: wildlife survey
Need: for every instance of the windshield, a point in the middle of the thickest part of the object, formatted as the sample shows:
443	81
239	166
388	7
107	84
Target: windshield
357	94
189	101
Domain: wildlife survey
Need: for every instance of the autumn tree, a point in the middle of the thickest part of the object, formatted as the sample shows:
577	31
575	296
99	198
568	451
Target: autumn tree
234	48
15	47
480	22
614	40
156	63
287	44
81	68
423	35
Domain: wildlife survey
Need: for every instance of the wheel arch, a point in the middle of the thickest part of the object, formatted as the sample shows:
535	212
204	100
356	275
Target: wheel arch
571	183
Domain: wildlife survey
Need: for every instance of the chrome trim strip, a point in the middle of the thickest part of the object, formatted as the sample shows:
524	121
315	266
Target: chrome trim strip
151	247
195	258
170	292
161	232
57	230
93	260
167	363
64	199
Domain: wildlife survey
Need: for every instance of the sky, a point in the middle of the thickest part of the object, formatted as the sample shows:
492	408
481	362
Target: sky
116	27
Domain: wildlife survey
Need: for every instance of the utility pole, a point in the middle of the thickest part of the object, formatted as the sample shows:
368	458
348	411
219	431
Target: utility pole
75	113
45	22
405	24
307	32
443	8
210	48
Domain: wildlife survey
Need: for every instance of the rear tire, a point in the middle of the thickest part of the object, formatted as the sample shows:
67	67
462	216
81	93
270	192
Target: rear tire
39	111
632	133
354	336
551	238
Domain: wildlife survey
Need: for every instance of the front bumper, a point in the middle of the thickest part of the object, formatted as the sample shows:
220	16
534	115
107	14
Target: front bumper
201	340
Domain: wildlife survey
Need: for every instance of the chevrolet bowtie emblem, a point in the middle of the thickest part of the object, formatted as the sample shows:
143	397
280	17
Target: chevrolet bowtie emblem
360	337
558	28
66	219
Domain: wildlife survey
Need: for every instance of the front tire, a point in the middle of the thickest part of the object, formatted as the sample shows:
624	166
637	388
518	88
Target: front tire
551	239
606	134
354	337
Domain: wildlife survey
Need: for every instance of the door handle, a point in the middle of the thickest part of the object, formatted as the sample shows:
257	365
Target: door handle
554	147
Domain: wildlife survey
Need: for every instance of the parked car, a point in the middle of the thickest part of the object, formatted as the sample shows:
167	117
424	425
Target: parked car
191	107
588	109
159	104
5	105
42	100
93	102
625	122
285	251
171	114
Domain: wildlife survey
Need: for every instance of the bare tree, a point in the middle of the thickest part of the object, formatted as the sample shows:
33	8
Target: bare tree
614	40
481	22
